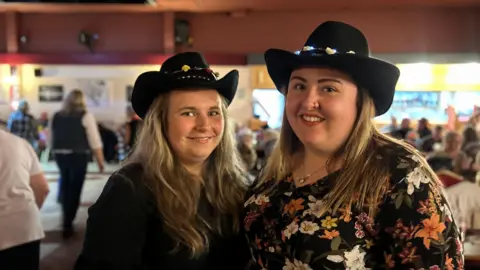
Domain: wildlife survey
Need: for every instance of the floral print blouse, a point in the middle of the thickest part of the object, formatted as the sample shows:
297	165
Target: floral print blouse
413	228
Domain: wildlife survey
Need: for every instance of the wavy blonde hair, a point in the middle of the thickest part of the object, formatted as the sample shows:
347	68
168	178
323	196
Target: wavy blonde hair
74	102
363	173
177	193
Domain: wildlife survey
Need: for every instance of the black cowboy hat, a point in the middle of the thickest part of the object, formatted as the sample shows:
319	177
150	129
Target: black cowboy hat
342	47
187	70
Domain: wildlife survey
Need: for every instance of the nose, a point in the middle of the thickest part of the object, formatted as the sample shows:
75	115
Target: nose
311	99
202	122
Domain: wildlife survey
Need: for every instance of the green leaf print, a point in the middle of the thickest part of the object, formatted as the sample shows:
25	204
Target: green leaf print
399	200
408	201
336	243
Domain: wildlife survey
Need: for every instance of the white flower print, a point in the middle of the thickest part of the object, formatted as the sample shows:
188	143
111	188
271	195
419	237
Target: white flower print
296	265
354	259
415	158
335	258
290	230
414	178
447	212
262	199
308	227
315	209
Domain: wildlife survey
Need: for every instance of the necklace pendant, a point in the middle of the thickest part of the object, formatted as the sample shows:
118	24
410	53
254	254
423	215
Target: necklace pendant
301	180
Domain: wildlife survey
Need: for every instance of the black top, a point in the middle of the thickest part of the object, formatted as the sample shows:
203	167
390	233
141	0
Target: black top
68	132
413	229
124	231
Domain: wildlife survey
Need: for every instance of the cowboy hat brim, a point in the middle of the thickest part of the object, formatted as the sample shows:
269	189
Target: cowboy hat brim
149	85
378	77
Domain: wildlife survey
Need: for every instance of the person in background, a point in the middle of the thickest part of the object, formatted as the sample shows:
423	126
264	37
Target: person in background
43	121
437	136
336	193
423	128
131	128
450	157
393	126
23	189
474	121
42	136
23	124
270	138
246	148
73	136
470	148
176	203
403	130
255	123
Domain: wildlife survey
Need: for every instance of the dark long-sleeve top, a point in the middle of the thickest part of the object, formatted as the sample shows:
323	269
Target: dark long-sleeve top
124	232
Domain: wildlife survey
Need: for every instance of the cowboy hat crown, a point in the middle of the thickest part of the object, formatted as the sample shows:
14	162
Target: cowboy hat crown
343	47
183	71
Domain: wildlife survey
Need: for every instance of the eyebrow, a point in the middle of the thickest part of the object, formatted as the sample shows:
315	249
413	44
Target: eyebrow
319	81
190	108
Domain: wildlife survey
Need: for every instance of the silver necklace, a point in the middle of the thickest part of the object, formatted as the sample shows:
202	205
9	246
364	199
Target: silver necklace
302	180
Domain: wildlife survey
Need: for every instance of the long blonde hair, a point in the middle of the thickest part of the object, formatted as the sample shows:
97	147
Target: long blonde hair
74	102
177	193
364	178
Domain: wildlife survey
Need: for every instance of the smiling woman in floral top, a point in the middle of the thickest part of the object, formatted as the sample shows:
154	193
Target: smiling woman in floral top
336	193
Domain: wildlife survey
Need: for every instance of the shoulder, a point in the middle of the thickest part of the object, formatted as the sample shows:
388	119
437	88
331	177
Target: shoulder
412	182
8	137
88	116
130	174
406	164
14	141
127	181
125	188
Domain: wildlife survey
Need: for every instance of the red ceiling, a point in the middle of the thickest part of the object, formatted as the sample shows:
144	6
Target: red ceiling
237	7
285	5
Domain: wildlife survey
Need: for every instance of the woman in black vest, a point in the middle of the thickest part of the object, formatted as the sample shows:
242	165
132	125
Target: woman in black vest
74	136
176	202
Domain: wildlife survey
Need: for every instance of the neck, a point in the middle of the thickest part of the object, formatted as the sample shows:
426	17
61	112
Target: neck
194	169
314	162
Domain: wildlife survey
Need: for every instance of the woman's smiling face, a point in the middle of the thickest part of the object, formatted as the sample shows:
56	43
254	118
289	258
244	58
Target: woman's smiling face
321	107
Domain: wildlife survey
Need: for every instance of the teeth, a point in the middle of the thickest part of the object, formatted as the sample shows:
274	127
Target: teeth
312	118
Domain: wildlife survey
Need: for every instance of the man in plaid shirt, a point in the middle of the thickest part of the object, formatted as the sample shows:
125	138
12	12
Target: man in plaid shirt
22	124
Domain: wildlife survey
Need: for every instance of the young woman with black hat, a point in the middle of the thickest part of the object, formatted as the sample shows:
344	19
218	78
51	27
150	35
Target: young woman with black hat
176	202
336	193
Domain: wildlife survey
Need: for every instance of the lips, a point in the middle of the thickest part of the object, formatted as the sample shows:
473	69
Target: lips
203	139
312	118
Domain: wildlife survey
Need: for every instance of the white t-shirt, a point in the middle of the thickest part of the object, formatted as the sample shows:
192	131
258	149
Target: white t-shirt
19	215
